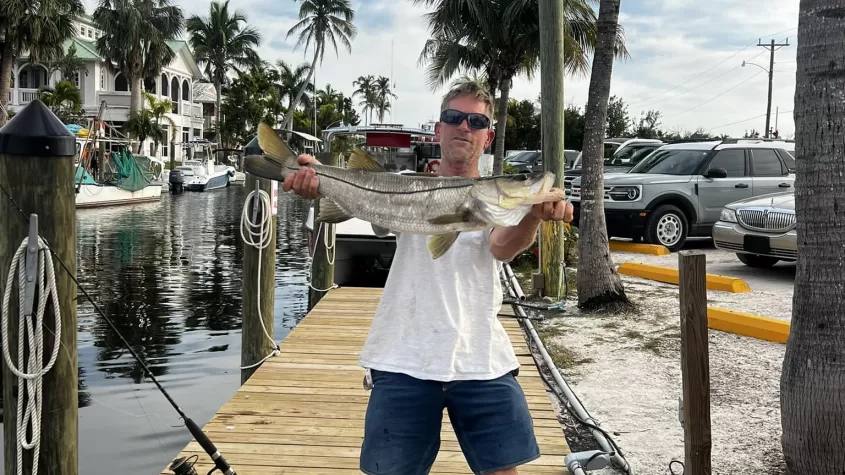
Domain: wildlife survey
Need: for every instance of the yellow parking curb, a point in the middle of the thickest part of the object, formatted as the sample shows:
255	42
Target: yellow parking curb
652	249
670	276
747	324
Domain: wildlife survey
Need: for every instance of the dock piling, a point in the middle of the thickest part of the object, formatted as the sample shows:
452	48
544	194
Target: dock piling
36	170
695	362
322	267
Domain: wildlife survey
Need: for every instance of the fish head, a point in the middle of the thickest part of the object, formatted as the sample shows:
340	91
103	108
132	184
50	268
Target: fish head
512	191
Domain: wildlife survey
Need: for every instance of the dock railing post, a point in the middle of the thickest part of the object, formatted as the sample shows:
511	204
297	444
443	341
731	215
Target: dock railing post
695	362
36	170
259	288
322	267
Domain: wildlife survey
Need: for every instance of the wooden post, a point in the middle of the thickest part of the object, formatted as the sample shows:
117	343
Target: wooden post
552	21
322	277
36	169
695	362
258	288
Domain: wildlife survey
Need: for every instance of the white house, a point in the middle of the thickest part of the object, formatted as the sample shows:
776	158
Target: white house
103	82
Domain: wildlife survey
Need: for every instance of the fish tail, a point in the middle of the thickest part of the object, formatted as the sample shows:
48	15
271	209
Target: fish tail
278	160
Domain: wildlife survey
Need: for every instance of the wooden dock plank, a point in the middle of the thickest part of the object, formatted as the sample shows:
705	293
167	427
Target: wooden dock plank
303	410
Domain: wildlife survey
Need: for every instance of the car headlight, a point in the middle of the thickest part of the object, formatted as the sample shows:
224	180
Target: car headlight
728	215
624	193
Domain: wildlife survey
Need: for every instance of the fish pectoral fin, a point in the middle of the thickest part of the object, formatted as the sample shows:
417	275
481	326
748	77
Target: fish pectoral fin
359	160
463	216
440	243
331	213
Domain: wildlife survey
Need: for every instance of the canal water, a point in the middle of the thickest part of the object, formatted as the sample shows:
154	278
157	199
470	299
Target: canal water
169	275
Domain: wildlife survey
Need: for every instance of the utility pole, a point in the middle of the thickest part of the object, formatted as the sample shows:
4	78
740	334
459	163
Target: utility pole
772	47
552	24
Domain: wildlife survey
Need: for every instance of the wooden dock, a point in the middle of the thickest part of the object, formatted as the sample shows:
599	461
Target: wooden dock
303	411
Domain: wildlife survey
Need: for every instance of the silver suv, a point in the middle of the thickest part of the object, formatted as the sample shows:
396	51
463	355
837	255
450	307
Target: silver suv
620	154
679	190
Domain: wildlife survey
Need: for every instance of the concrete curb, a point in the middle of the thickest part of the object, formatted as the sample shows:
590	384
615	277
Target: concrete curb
670	276
652	249
746	324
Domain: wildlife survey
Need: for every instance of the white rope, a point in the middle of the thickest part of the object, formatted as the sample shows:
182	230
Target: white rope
30	334
260	240
330	256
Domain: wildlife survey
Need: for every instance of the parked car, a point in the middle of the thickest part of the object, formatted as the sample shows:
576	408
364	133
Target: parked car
620	156
760	230
679	190
532	160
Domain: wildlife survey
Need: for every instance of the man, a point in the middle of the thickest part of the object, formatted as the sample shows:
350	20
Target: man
435	340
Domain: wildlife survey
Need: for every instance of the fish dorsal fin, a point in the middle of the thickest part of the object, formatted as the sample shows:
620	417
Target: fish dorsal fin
440	243
359	160
330	212
273	145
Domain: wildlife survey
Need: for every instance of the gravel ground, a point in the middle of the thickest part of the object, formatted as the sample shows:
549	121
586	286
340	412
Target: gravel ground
626	370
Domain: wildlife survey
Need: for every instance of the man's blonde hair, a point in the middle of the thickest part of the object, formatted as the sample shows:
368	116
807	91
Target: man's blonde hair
472	89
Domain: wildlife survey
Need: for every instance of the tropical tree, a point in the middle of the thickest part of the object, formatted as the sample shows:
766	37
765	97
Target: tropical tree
68	64
321	21
135	35
501	39
598	283
220	42
368	93
159	109
64	99
812	387
38	28
291	81
383	95
142	125
350	115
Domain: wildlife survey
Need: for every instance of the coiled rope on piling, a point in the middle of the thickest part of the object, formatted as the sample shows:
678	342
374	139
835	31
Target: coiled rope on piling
259	239
30	373
331	252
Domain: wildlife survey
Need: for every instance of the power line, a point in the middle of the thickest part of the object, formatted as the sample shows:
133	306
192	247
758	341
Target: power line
745	120
716	96
771	47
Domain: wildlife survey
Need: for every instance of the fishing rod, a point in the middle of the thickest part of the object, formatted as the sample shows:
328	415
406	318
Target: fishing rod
179	465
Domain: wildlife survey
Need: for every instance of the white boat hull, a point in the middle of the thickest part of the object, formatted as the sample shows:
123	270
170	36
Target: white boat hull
91	196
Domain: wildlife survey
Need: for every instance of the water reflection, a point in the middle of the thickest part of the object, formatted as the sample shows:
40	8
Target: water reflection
169	276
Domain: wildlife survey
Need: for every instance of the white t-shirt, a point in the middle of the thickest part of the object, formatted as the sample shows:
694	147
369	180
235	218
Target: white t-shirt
437	318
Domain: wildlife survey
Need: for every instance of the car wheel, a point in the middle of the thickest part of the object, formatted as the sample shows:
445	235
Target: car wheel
667	227
755	260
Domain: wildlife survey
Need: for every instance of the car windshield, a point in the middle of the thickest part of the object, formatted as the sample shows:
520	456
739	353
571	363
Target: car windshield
522	157
629	156
671	162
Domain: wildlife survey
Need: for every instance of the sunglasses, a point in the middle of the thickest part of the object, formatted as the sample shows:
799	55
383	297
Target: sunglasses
455	117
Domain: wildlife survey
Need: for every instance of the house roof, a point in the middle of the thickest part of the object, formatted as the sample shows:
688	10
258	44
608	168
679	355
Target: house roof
182	46
85	50
204	92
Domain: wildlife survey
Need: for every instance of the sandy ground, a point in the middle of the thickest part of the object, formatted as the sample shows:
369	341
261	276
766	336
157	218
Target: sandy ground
626	370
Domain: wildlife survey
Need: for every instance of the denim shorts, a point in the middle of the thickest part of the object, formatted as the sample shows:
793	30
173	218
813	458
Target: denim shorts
405	415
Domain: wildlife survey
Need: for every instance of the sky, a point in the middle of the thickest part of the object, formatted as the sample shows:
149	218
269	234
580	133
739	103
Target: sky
686	59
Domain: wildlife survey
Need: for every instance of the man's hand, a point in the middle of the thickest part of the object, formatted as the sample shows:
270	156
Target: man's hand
304	182
553	211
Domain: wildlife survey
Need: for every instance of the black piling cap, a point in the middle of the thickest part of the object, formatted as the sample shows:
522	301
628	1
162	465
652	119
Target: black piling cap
252	148
36	131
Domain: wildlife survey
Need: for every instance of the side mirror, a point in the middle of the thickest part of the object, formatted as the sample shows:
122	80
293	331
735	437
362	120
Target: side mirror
716	173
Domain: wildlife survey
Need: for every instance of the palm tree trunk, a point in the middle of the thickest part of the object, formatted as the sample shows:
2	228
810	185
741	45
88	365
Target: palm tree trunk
491	85
501	126
135	96
217	124
812	386
289	118
598	283
6	65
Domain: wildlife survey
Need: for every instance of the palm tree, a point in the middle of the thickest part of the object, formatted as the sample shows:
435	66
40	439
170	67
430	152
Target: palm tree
598	283
135	35
501	39
811	386
159	109
39	28
321	21
64	99
291	80
220	42
383	95
142	125
367	92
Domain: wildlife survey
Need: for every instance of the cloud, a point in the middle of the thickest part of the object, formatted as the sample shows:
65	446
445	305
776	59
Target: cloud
685	61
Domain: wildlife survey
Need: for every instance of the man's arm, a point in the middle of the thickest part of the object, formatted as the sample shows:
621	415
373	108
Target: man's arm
507	243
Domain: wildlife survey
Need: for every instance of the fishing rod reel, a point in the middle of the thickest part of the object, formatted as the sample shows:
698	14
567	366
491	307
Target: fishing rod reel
182	466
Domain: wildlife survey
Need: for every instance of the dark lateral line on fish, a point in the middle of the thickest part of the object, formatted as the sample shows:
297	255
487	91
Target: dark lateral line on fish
409	192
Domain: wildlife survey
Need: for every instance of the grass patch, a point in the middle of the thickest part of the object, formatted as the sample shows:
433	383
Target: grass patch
563	357
633	334
653	345
611	325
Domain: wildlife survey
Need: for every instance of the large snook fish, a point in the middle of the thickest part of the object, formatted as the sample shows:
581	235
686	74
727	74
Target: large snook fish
414	203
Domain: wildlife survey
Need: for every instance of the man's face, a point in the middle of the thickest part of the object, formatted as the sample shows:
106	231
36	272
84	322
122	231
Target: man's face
461	143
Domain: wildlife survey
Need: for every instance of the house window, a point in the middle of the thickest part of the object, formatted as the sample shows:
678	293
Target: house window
165	144
197	133
186	91
186	132
90	33
24	78
76	79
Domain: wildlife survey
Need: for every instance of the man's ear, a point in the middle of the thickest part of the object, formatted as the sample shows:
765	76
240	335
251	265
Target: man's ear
437	131
491	134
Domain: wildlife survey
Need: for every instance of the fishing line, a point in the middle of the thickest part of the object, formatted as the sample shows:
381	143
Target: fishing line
219	462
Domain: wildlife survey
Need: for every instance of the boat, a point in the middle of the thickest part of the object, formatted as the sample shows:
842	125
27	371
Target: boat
361	257
125	178
201	172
